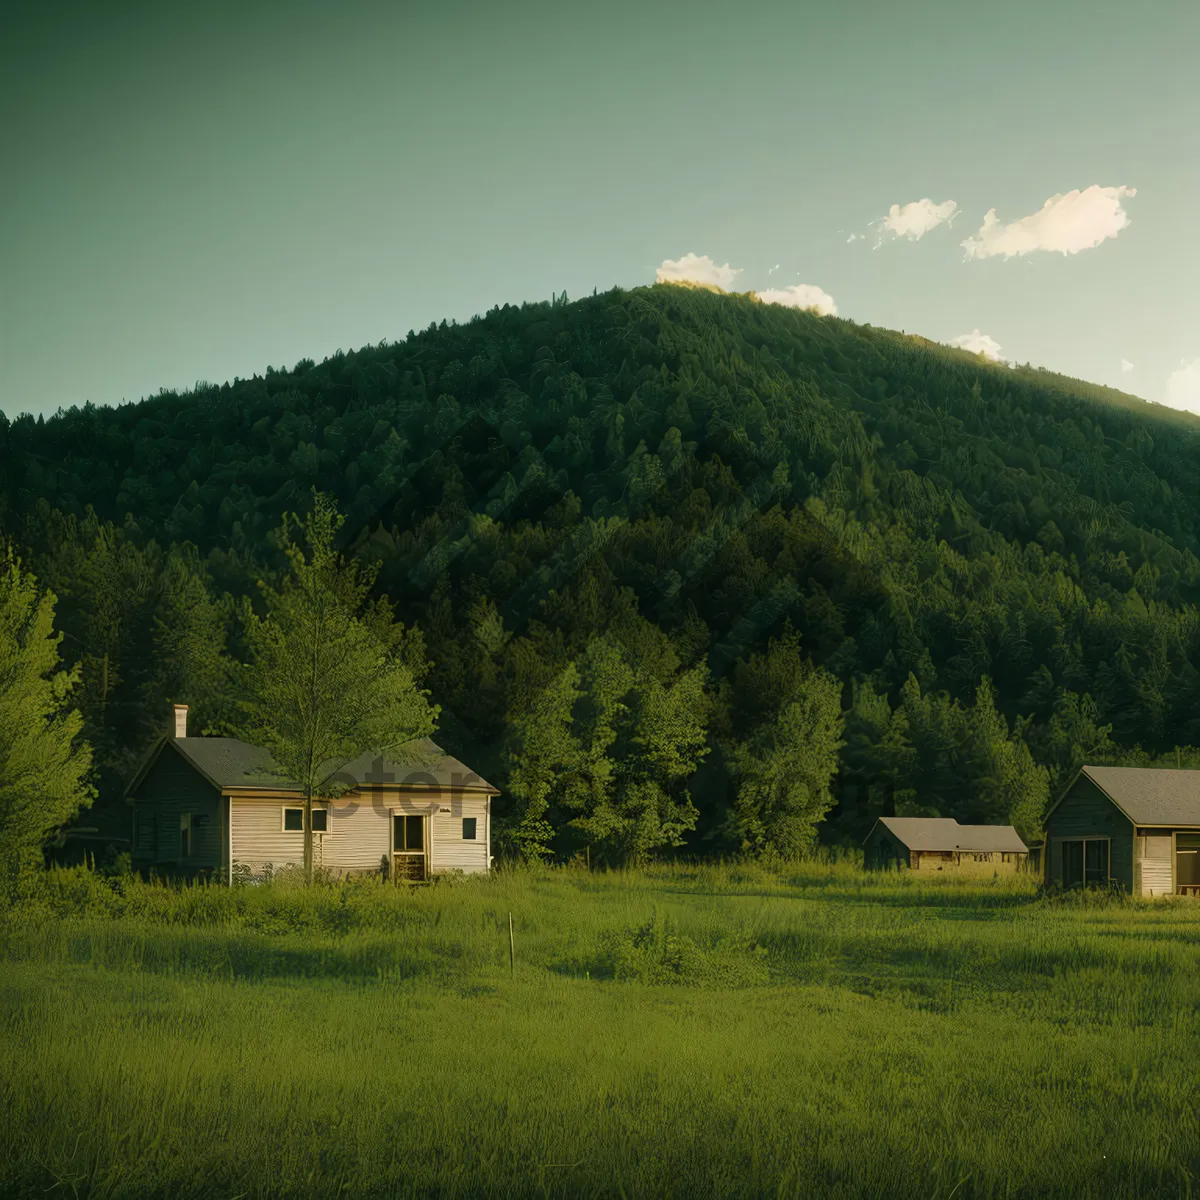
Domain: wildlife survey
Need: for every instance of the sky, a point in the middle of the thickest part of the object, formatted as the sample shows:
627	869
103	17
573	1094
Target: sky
197	191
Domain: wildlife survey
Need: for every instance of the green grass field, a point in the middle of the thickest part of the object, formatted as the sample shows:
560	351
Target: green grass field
677	1031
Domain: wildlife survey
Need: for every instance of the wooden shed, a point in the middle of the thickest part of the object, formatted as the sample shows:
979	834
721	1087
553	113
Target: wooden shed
942	844
215	806
1136	828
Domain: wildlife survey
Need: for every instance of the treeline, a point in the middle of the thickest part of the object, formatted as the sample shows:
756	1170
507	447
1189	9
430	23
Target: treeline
688	570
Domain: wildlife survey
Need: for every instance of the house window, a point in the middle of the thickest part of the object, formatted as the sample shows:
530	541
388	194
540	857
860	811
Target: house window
185	835
408	832
1095	861
1085	861
469	829
293	820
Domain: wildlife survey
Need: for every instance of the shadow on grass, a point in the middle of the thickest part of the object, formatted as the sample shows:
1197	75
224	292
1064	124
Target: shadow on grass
252	957
956	906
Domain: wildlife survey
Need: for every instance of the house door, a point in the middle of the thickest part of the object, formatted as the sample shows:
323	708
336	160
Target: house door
409	846
1187	862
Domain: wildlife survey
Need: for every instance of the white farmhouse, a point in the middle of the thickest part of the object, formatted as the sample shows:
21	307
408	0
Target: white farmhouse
205	806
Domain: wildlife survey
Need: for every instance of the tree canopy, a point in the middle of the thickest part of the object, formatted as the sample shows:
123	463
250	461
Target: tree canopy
329	674
591	510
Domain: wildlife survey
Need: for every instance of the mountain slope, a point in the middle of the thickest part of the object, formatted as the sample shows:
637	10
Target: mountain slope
722	470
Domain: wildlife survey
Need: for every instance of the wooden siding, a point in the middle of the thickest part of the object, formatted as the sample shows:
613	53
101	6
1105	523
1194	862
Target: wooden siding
449	851
882	850
259	839
360	832
966	862
169	789
360	835
1086	811
1154	862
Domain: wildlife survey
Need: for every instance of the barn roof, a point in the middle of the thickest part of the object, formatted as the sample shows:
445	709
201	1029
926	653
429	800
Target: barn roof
946	834
991	837
230	763
1151	795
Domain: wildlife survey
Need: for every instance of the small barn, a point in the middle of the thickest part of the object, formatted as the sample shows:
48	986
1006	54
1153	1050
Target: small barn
942	844
215	806
1134	828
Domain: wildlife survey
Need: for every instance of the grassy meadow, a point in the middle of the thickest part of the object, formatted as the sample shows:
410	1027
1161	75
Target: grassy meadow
675	1031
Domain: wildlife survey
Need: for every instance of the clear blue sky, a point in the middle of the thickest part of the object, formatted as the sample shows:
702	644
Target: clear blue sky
197	191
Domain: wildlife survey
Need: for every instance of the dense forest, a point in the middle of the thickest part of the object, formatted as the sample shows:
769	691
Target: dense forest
684	572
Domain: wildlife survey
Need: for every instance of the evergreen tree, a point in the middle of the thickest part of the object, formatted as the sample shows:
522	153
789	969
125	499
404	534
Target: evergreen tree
44	764
1007	786
781	725
544	751
602	751
189	644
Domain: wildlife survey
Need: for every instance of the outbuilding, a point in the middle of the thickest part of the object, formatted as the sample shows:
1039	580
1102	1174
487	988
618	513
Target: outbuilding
216	806
1135	828
942	844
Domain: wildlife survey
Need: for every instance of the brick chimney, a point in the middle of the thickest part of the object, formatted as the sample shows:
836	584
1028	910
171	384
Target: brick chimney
180	720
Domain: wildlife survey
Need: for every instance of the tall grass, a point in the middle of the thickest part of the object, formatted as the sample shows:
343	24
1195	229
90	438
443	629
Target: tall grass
711	1030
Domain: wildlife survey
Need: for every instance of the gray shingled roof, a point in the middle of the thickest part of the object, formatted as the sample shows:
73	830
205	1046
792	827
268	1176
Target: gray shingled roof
946	834
923	833
991	837
1151	795
230	763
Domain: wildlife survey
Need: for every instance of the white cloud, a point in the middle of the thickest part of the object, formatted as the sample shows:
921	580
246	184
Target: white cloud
916	219
773	269
801	295
1065	223
1183	386
1126	366
693	269
852	238
978	343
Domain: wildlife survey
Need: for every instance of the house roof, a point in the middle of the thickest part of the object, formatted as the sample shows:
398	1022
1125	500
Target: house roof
1151	795
923	833
946	834
991	837
230	763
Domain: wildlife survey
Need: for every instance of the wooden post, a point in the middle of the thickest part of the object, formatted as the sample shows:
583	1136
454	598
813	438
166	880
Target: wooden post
512	953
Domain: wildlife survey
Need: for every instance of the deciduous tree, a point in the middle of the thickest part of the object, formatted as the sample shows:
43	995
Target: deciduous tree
329	674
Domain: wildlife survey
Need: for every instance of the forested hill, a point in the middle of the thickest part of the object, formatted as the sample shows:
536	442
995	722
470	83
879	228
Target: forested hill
972	576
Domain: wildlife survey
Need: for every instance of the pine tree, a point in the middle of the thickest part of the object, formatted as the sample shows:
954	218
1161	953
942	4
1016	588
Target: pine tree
44	766
189	658
544	750
782	724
